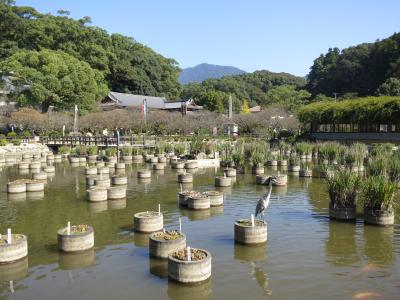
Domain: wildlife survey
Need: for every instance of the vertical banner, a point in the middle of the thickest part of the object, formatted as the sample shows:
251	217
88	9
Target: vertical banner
144	110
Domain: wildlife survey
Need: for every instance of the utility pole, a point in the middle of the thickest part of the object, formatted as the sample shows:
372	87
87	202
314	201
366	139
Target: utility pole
335	94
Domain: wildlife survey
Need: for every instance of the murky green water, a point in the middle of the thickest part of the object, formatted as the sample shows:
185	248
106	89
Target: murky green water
307	256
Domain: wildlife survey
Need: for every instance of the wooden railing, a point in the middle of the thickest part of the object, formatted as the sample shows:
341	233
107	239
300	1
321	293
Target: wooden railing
101	141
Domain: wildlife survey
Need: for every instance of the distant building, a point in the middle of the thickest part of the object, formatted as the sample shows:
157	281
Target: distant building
255	109
120	100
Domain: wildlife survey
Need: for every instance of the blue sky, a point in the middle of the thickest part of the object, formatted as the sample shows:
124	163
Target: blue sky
281	36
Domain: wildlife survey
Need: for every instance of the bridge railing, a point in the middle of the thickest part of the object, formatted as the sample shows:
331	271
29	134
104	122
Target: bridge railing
139	141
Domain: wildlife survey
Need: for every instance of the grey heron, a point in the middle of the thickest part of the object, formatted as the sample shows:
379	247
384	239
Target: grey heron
263	202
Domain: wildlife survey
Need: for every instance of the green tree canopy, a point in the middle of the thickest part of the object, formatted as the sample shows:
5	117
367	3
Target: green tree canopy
56	78
287	96
390	87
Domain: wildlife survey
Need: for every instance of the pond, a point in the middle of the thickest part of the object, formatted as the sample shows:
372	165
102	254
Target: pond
306	257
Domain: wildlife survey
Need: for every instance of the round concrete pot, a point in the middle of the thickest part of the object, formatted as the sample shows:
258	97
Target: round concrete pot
282	163
183	197
192	271
177	165
162	244
342	213
119	180
90	180
250	235
305	173
198	202
153	160
137	158
216	198
148	221
103	170
40	176
97	194
49	169
162	160
23	166
127	159
379	217
258	170
190	165
17	186
281	180
90	171
144	174
103	182
159	166
18	249
34	185
272	163
230	172
100	164
120	166
75	241
222	181
185	178
115	192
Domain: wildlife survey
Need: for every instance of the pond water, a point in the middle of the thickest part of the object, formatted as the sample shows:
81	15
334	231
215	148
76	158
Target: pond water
306	257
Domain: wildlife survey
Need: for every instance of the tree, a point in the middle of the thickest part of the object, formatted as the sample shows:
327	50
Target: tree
287	96
390	87
63	12
50	77
245	107
213	101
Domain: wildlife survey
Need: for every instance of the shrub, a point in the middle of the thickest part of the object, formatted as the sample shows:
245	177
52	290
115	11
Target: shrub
180	148
111	151
238	159
16	142
137	151
11	134
64	150
80	150
25	134
92	150
342	188
126	151
3	142
378	193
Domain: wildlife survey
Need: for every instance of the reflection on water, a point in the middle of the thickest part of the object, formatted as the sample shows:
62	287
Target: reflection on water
14	271
158	267
97	207
341	247
199	291
141	239
261	277
250	253
195	215
34	196
72	261
378	247
117	204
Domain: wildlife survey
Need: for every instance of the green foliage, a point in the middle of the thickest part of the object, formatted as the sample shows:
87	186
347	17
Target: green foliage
25	134
80	150
287	96
197	144
378	192
137	151
390	87
238	158
180	149
112	151
92	150
304	148
54	78
12	134
16	142
127	65
361	110
64	150
253	86
160	148
126	151
342	188
3	142
360	69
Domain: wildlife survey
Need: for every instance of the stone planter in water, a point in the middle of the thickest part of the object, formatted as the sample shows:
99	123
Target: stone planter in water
162	160
148	221
198	202
17	186
40	176
112	159
23	166
16	250
191	165
144	174
100	164
82	159
153	160
261	179
49	169
97	194
119	180
92	158
34	185
74	159
273	163
120	166
222	181
34	165
258	170
110	164
159	166
90	171
90	180
342	213
216	198
116	192
177	165
80	238
102	181
247	234
127	158
282	162
230	172
183	197
103	170
305	173
196	270
185	178
379	217
137	158
162	244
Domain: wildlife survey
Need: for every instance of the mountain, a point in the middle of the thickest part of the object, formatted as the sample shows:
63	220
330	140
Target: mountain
204	71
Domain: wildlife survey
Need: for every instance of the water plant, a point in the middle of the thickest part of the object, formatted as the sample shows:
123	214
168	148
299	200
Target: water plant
180	148
137	151
126	151
160	148
378	193
80	150
294	161
238	158
343	186
92	150
304	148
112	151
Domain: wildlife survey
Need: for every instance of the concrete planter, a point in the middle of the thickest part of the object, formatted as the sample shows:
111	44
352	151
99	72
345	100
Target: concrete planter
230	172
90	171
292	168
76	241
40	176
127	158
144	174
23	166
92	158
183	197
198	202
137	158
120	166
185	178
342	213
34	185
257	170
282	163
162	160
149	221
110	165
191	165
100	164
18	249
162	244
223	181
159	166
177	165
305	173
193	271
97	194
272	163
103	170
34	165
281	180
82	159
114	193
49	169
153	160
261	179
112	159
250	235
119	180
90	180
104	182
216	198
379	217
17	186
